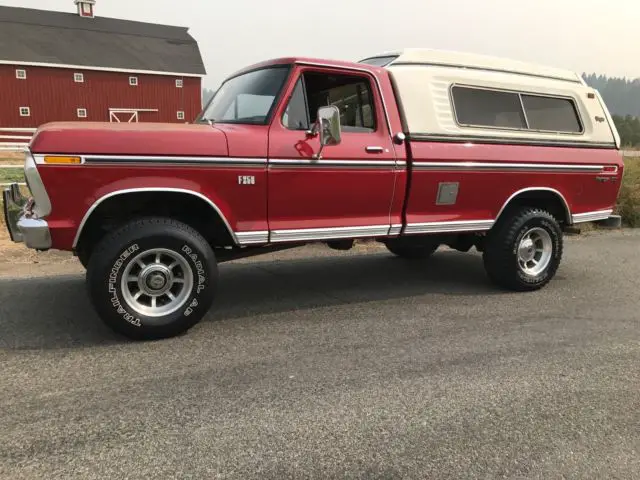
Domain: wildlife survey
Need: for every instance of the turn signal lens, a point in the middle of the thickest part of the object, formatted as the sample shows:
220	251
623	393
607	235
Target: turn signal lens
62	160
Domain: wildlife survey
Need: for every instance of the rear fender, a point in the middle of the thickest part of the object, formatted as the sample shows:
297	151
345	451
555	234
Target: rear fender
550	193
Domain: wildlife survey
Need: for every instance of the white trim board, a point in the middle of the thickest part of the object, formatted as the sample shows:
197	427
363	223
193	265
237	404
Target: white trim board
100	69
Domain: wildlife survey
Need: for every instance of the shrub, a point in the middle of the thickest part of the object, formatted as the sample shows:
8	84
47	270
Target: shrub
629	199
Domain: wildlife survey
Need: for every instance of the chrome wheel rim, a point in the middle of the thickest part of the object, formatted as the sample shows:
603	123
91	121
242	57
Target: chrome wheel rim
157	282
535	251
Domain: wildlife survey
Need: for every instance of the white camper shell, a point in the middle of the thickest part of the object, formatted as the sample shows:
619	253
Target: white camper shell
452	94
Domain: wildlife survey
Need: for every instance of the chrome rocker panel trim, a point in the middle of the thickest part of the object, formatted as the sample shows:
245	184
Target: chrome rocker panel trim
252	238
312	234
591	216
449	227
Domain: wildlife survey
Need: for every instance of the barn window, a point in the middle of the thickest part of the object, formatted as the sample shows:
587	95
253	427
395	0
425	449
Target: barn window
179	83
21	74
133	81
78	77
25	112
82	113
180	115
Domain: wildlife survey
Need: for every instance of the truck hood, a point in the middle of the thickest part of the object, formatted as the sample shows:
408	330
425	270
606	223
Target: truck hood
158	139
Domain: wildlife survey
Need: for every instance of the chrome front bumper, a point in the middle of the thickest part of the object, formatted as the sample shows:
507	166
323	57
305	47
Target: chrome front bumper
22	225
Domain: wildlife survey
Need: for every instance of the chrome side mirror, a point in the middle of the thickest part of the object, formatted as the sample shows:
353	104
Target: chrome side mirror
328	127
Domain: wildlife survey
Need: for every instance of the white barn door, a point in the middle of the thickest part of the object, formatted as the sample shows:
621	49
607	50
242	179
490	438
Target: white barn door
127	115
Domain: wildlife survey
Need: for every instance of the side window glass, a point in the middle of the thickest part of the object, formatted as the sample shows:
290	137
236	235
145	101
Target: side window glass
295	116
551	114
350	93
488	108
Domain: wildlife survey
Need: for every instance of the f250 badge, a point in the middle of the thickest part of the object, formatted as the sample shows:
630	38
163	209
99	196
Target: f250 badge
246	180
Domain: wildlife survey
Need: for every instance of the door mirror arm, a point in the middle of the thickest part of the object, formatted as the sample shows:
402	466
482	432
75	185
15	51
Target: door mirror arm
327	126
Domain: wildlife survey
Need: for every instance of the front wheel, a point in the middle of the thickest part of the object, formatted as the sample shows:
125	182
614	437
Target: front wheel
83	257
152	278
524	250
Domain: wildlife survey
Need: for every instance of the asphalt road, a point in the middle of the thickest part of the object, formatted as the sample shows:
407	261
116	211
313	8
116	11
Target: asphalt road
336	365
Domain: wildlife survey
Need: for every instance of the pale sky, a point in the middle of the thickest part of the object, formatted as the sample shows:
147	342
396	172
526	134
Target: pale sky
582	35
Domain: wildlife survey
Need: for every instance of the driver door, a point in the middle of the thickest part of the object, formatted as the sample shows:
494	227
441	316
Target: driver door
348	191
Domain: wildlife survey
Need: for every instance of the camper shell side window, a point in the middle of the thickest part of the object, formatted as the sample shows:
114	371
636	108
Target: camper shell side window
482	107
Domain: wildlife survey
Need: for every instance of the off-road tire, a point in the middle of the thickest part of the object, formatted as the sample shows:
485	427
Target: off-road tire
411	251
111	257
501	249
83	258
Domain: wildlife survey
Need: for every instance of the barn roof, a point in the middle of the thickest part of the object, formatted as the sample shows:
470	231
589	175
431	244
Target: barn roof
41	37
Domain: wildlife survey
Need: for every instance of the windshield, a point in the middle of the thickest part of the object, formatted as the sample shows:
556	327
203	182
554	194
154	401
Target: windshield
247	98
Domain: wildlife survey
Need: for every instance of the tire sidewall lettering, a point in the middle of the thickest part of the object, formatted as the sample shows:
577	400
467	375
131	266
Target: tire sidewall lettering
200	277
187	251
112	288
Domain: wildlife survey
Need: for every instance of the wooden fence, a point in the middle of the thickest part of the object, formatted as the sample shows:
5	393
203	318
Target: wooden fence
12	139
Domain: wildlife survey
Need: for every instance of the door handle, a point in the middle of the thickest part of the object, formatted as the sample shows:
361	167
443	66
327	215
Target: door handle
374	149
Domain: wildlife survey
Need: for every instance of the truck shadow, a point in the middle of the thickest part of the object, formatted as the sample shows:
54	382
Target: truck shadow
294	285
54	312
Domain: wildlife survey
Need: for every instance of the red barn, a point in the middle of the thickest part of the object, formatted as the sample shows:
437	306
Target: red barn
75	66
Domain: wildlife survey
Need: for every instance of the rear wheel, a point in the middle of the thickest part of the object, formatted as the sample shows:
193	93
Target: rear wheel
412	250
152	278
524	250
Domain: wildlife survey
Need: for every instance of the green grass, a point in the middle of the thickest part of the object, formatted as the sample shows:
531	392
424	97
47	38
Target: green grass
8	175
629	198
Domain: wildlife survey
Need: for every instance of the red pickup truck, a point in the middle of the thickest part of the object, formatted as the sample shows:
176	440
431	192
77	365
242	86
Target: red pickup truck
414	149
